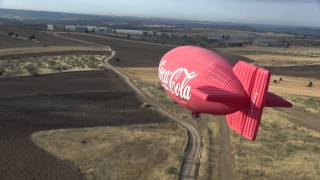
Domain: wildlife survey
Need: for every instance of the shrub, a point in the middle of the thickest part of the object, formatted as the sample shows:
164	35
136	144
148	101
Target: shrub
32	37
172	170
1	71
33	71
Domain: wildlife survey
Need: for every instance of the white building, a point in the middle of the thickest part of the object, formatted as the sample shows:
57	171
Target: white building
101	30
50	27
70	28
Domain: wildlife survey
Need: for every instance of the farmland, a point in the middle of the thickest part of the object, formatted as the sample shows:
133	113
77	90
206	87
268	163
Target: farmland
96	112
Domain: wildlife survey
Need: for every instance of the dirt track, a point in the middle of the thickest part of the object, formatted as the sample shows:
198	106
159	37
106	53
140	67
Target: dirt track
68	100
311	71
190	166
41	39
130	53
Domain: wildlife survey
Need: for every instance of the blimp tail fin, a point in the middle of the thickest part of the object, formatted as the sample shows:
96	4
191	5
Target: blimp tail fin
255	82
276	101
213	94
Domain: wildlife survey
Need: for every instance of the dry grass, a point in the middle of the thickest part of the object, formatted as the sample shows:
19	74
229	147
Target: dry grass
282	150
128	152
295	86
280	60
147	80
210	151
307	103
27	50
271	56
149	75
294	50
51	64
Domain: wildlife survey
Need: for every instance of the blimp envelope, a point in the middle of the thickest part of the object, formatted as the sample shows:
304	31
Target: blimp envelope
204	82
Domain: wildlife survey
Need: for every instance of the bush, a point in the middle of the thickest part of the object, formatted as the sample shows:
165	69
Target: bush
172	170
32	37
33	71
1	71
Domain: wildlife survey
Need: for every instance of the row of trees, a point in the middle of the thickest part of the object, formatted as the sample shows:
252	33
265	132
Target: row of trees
31	37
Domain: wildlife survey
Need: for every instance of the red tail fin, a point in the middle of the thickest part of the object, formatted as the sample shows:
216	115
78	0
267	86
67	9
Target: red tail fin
255	82
276	101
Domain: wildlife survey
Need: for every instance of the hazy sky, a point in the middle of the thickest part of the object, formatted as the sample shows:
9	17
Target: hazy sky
286	12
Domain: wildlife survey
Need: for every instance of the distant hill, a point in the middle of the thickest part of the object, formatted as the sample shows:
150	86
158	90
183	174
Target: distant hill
45	15
12	16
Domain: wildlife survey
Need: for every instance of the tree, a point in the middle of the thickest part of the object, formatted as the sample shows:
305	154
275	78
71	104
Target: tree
1	71
32	37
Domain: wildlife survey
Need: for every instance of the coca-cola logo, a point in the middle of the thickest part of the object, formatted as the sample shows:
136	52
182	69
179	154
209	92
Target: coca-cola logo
176	81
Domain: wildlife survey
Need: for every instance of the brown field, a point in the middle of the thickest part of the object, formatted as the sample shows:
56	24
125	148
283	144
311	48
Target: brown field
221	32
295	86
60	101
293	61
42	38
286	147
126	152
283	150
129	53
42	50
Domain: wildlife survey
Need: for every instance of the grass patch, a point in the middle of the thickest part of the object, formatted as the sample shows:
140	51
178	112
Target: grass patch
50	64
128	152
282	150
309	104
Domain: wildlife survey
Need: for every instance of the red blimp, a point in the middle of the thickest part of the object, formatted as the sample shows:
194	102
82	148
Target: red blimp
204	82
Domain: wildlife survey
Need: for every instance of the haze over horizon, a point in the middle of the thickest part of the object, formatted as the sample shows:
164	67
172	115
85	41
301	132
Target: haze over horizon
278	12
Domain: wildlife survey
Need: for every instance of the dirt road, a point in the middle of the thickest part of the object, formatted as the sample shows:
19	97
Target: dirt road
190	165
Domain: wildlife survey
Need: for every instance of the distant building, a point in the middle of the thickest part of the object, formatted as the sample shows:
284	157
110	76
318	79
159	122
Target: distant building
100	30
70	28
271	43
50	27
215	38
134	32
82	28
91	28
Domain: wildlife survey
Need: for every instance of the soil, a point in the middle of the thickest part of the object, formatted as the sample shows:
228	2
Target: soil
67	100
311	71
22	40
56	53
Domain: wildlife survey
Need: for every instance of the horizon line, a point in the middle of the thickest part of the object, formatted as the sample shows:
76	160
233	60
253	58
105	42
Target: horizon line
163	18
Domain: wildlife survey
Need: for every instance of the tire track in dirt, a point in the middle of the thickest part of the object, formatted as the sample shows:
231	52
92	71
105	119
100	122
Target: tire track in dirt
225	161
